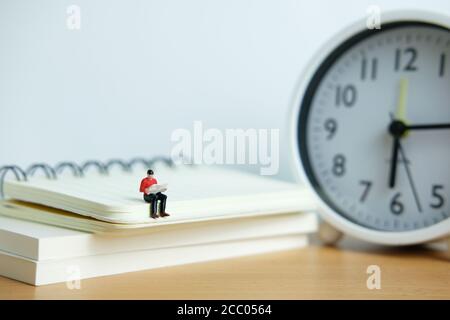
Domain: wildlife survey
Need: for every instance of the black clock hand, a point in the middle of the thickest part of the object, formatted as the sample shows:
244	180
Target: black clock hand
433	126
396	131
394	128
398	127
410	179
394	157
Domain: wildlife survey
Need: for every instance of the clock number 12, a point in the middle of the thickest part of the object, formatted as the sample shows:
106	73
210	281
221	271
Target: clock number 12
410	54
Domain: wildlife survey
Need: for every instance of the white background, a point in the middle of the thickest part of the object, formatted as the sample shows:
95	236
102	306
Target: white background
137	70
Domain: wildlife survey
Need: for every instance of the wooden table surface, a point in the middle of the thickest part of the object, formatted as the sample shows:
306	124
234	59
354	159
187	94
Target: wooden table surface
312	273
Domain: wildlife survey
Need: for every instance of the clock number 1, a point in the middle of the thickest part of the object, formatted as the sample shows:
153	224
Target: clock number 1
442	66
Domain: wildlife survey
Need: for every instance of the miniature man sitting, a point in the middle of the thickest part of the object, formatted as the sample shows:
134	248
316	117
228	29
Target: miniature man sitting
153	197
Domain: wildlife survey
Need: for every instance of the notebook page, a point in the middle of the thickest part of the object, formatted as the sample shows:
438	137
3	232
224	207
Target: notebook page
190	188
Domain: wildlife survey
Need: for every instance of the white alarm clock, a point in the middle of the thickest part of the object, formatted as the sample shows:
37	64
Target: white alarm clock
370	129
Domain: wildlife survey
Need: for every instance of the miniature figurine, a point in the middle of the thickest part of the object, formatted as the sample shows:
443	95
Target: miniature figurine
152	194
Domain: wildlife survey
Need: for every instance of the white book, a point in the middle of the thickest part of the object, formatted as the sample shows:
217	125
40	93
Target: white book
45	242
67	270
195	193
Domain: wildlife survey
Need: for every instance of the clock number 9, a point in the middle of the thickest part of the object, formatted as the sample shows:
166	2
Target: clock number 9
338	165
331	127
396	206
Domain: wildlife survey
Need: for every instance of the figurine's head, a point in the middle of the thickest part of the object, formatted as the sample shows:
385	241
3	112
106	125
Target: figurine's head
149	173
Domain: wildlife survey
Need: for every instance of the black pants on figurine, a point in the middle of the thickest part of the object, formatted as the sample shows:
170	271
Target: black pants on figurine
153	199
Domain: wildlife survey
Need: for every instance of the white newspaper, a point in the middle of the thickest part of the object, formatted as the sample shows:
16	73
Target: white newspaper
158	188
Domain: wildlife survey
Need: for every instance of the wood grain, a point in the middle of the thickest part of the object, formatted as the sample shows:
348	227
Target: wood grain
312	273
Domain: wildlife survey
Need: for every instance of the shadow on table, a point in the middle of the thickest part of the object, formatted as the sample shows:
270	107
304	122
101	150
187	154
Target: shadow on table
436	250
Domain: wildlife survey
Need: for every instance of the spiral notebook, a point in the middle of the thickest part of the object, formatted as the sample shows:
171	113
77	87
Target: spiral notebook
111	192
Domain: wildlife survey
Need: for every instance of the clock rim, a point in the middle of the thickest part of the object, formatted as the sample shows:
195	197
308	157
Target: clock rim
439	230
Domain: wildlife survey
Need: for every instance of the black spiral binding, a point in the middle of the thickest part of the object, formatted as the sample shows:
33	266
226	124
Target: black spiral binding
77	170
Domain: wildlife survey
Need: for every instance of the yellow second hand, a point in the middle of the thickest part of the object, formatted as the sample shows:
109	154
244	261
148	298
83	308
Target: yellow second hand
402	103
402	99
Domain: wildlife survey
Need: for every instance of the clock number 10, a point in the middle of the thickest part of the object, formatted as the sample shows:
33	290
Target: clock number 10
346	95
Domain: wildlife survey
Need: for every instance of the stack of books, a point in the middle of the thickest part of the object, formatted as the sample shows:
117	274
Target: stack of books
60	228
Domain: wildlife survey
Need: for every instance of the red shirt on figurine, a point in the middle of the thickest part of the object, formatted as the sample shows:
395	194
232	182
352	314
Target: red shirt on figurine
147	183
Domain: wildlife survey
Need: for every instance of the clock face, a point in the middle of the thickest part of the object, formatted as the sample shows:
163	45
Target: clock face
374	135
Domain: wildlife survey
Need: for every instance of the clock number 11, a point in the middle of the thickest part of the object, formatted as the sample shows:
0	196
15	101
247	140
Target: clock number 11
369	68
